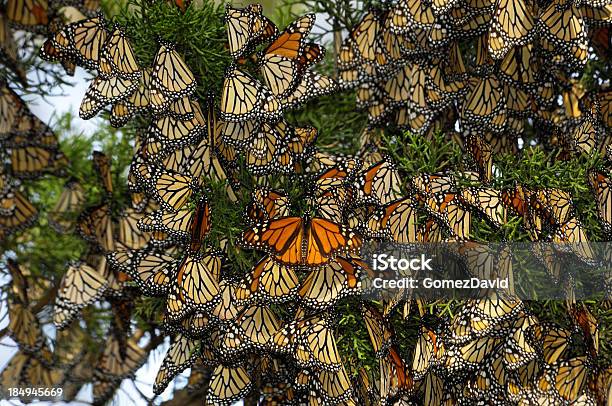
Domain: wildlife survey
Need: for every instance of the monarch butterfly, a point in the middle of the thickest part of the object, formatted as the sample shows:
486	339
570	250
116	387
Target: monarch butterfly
341	172
486	201
80	286
150	270
562	24
419	21
379	183
198	279
177	308
471	355
589	325
570	377
312	85
23	214
283	62
114	366
181	355
469	324
266	204
511	25
520	349
70	202
555	204
176	132
129	234
205	163
28	162
518	69
239	134
19	286
24	327
186	224
11	108
86	40
8	49
396	221
31	15
408	118
601	187
481	154
102	92
301	240
103	390
331	205
103	168
268	151
247	28
268	281
433	184
40	371
380	331
182	109
485	104
13	371
95	225
243	98
172	190
572	233
229	384
326	285
490	380
332	387
396	379
253	328
447	209
316	341
118	58
555	341
138	102
365	37
586	134
228	307
170	77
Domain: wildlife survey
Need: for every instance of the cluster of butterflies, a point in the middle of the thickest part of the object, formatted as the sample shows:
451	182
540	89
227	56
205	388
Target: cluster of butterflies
494	68
29	149
35	18
121	82
274	332
86	281
69	363
251	108
493	351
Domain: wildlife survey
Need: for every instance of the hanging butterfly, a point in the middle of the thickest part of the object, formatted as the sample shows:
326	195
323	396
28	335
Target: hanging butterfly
600	183
171	78
229	384
181	355
268	281
316	341
283	62
69	203
80	286
325	286
243	98
118	58
246	28
512	24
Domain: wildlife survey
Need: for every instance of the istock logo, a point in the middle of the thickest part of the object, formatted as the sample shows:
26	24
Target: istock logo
383	262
